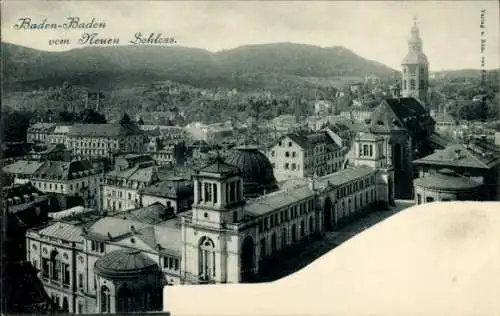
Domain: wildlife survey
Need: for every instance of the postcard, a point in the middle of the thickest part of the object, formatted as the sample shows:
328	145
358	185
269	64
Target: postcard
250	157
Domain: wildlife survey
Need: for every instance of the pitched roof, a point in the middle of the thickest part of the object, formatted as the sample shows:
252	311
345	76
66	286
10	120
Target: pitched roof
104	130
64	231
136	173
400	114
46	127
447	180
167	234
151	214
458	155
170	188
344	176
27	167
277	200
63	170
219	166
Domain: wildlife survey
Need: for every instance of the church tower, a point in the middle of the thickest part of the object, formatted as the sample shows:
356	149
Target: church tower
415	66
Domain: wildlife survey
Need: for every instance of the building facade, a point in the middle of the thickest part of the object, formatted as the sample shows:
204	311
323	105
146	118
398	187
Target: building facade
121	186
105	140
71	179
39	132
445	185
298	155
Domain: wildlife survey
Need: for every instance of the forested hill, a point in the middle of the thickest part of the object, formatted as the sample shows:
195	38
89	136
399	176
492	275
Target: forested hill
245	68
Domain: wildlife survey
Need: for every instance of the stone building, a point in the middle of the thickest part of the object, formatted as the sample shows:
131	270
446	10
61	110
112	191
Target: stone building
176	193
303	154
39	132
475	160
105	140
70	179
445	185
121	186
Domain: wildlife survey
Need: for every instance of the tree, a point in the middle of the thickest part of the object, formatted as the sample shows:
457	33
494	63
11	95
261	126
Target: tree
15	126
90	116
125	120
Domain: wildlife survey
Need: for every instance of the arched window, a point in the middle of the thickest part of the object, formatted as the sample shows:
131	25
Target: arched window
55	263
105	300
124	300
283	238
65	305
273	242
294	233
206	259
148	299
302	228
311	225
263	251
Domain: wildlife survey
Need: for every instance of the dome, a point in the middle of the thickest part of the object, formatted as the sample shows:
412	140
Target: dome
124	263
256	169
413	58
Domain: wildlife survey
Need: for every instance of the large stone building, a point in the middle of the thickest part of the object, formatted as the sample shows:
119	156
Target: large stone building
446	185
122	185
303	154
105	140
225	238
475	160
39	132
80	179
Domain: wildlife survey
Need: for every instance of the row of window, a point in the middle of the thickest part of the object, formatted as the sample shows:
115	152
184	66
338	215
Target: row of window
208	192
413	84
413	69
289	214
124	183
171	263
293	233
97	246
55	270
355	186
60	187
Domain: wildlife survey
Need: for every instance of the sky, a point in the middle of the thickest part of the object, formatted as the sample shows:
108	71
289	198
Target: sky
379	31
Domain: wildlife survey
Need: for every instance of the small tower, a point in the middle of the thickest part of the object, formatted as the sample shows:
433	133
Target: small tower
415	67
206	233
370	150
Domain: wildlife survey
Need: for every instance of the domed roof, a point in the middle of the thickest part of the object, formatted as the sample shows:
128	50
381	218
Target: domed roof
256	169
414	57
446	179
124	263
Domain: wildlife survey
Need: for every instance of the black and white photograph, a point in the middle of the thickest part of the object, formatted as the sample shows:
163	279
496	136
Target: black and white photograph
250	158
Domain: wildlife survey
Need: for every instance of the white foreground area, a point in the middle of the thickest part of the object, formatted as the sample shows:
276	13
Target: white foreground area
434	259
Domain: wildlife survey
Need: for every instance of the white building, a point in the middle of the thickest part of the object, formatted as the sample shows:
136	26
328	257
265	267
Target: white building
72	179
303	155
120	190
104	140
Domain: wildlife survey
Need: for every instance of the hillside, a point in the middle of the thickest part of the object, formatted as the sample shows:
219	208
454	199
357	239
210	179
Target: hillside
246	68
